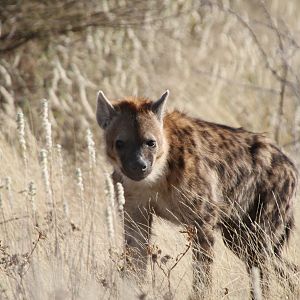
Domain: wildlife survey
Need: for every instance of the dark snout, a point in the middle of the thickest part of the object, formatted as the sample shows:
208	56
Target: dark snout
138	169
140	165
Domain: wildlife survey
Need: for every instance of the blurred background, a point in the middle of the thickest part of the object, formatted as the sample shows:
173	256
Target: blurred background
230	61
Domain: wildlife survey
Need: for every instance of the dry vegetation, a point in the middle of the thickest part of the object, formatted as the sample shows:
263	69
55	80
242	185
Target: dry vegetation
235	62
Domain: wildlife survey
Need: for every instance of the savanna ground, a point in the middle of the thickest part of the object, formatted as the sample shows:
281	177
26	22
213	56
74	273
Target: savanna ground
233	62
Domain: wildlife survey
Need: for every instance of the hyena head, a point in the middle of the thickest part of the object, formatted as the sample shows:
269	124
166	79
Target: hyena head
134	135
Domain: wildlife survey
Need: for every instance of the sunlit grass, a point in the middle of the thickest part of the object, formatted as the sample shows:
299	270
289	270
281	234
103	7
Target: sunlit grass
61	231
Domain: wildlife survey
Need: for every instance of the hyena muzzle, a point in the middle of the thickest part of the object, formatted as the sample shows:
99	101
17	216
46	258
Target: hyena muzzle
201	174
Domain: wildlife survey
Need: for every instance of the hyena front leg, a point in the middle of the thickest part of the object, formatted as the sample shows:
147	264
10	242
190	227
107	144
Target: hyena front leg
137	224
202	259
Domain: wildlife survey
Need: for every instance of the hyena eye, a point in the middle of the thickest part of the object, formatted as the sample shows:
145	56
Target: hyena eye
119	144
151	143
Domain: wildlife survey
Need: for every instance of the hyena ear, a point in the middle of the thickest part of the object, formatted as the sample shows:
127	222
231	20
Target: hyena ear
105	111
158	107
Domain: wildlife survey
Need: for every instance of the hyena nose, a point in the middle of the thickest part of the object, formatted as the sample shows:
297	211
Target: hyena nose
144	167
140	165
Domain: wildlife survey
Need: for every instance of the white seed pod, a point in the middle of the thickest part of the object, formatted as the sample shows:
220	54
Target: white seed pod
91	148
120	197
46	125
21	136
110	224
110	191
79	180
45	173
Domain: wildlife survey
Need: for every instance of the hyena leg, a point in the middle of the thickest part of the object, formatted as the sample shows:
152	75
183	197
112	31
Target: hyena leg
284	269
137	234
257	258
259	280
202	260
240	241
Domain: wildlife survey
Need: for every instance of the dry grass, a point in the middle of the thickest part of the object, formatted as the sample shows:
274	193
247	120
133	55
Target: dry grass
47	252
55	240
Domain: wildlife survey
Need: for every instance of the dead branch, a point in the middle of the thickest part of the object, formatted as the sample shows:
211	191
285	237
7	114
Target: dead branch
23	23
281	75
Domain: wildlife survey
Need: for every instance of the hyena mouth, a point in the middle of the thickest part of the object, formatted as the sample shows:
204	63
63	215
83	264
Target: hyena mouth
135	175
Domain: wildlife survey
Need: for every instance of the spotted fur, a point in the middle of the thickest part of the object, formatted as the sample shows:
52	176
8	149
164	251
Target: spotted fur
203	174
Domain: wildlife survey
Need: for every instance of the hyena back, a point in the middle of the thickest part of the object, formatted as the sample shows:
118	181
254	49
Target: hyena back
202	174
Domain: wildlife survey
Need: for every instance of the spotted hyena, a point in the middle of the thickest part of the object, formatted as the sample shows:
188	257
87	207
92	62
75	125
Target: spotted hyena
201	174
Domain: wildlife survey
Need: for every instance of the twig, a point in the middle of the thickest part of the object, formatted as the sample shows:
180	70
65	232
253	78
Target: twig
254	38
180	256
40	237
284	72
14	219
238	84
281	76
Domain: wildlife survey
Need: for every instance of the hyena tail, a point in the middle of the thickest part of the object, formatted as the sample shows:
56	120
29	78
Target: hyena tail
284	269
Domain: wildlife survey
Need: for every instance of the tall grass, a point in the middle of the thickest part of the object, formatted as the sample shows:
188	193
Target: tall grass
63	235
61	221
